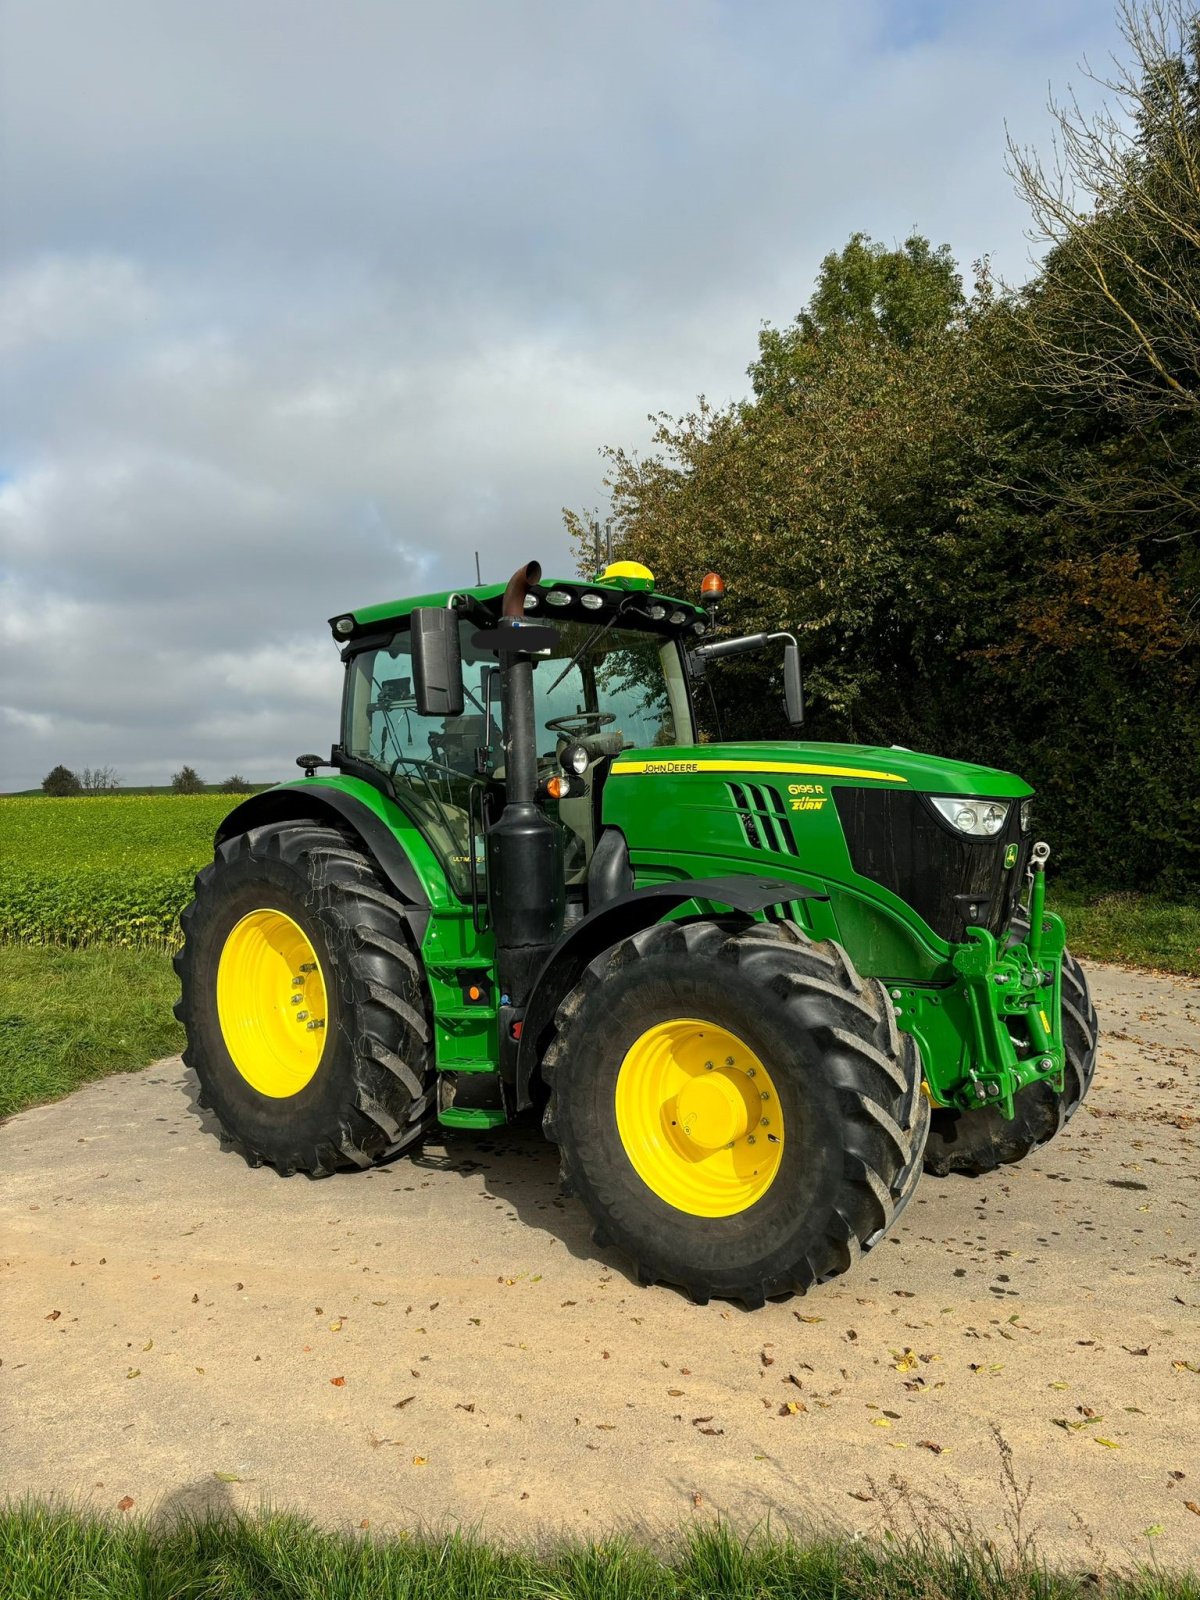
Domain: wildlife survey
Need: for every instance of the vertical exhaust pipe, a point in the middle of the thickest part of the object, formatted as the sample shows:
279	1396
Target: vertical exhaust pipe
524	848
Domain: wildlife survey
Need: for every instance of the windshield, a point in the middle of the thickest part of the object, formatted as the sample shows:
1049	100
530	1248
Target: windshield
631	683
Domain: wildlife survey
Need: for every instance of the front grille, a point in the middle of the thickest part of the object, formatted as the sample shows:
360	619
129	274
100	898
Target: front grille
896	839
763	817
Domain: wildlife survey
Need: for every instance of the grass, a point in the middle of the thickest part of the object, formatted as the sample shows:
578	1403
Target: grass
69	1016
102	869
60	1555
1142	930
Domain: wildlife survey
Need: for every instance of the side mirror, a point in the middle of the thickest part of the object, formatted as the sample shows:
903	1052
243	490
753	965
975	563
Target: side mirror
793	684
436	662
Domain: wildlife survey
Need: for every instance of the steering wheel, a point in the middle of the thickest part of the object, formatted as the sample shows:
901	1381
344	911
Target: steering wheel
580	723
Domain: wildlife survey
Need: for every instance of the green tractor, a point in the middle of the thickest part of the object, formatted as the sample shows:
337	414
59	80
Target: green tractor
752	988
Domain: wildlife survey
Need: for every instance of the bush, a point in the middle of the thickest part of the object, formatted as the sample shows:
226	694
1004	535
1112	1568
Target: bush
61	781
187	781
236	785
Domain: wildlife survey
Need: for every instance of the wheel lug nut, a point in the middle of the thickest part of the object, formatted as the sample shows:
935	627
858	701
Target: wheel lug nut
750	1138
728	1061
301	1015
764	1095
751	1072
765	1123
708	1066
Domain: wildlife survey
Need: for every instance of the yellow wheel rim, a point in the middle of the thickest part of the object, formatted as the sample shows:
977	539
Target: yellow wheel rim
271	1003
699	1117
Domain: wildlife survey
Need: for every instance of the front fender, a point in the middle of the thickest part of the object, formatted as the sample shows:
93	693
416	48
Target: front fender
608	925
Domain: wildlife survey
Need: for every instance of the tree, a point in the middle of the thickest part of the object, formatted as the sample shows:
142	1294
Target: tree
187	781
235	785
99	780
1111	324
863	291
61	781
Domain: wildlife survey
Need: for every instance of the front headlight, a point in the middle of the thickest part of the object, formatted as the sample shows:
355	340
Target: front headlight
575	759
1026	815
982	819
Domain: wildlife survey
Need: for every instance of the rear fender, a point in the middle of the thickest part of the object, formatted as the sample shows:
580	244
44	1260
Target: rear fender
318	802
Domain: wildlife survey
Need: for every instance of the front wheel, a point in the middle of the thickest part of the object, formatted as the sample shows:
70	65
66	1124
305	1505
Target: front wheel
736	1109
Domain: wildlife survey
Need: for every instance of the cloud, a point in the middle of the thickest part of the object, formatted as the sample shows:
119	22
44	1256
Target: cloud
301	305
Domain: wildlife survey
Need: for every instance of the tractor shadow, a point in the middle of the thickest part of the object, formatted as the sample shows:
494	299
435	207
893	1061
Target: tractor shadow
518	1167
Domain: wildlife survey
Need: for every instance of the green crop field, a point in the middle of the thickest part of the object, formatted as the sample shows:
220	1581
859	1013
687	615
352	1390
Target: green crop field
102	869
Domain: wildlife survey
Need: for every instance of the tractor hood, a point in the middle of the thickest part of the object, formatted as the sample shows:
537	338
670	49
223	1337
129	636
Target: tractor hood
839	764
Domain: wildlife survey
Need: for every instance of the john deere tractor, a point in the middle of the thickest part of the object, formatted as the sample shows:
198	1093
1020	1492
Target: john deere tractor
752	988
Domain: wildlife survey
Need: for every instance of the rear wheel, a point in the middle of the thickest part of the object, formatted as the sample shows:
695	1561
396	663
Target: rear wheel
303	1001
977	1142
735	1108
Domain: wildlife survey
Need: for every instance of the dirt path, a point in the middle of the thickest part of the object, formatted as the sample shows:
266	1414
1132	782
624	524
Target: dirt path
439	1339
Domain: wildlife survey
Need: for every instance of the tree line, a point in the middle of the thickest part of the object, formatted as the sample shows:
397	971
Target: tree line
978	508
61	781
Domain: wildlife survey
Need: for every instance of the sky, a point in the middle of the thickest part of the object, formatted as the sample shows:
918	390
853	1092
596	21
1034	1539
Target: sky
302	302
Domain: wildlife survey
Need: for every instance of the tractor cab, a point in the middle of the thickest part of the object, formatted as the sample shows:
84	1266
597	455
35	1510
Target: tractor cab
610	675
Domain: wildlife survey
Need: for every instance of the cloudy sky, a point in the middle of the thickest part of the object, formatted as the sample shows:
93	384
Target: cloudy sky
304	301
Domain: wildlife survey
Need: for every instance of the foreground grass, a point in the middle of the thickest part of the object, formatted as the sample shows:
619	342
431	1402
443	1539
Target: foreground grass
57	1555
1142	930
69	1016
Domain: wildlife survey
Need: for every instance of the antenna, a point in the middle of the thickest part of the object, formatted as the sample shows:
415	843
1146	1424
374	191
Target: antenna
478	579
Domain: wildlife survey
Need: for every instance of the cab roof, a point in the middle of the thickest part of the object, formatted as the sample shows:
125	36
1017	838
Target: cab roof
611	588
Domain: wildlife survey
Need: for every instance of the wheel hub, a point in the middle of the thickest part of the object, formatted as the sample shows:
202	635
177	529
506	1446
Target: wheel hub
272	1003
699	1117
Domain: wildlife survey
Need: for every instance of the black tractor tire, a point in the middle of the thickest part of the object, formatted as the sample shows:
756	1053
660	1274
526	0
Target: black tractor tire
977	1142
373	1091
849	1086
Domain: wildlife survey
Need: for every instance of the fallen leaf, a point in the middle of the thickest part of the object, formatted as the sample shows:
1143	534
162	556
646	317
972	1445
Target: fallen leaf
125	1502
338	1383
365	1523
459	1406
697	1499
52	1317
407	1401
1143	1351
419	1461
712	1432
789	1408
905	1362
336	1327
1185	1366
880	1422
134	1372
149	1345
857	1494
1109	1444
800	1318
226	1477
607	1427
767	1361
696	1421
1192	1506
928	1444
675	1392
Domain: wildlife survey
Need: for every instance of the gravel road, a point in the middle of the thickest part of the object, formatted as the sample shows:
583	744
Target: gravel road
438	1340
